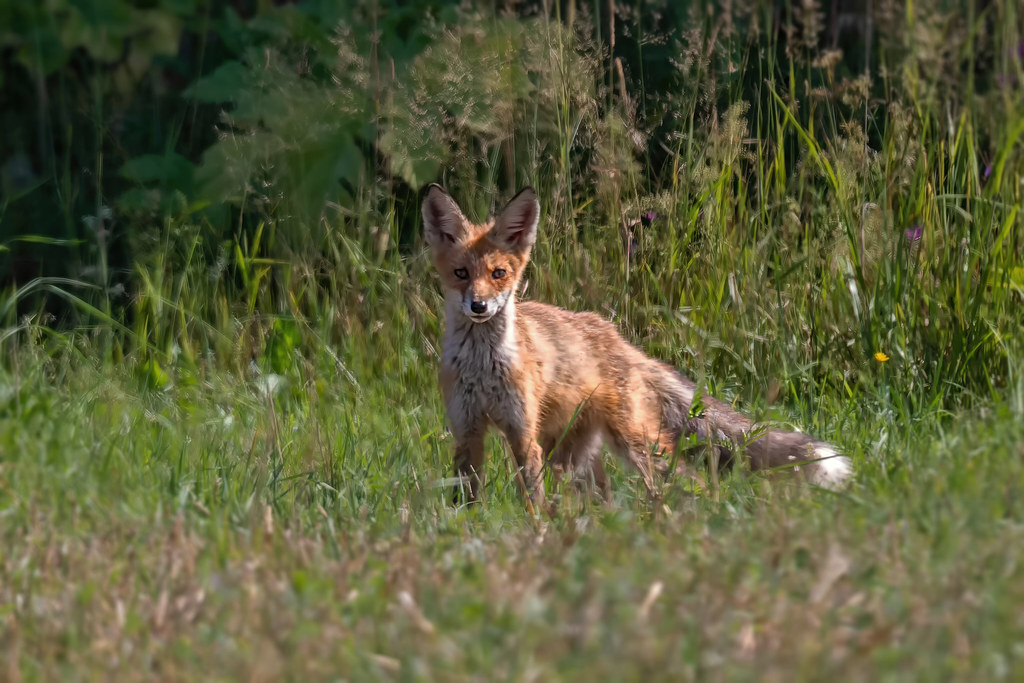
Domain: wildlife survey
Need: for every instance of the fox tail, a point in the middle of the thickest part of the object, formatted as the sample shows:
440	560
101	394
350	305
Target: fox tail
716	422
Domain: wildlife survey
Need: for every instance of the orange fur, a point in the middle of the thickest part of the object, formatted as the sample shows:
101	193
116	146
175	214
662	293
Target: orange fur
559	384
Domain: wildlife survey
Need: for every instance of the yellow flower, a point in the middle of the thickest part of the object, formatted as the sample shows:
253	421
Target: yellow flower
881	357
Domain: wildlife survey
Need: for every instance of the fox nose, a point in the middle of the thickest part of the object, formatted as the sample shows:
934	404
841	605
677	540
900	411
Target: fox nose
478	307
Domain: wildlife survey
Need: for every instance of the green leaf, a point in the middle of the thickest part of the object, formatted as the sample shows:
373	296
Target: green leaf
415	157
697	405
165	169
227	83
281	344
155	376
42	239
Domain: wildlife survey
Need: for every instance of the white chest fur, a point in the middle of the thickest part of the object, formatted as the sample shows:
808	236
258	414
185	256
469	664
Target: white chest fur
482	359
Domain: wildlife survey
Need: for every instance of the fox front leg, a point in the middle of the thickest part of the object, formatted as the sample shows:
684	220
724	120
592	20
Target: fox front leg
469	466
530	467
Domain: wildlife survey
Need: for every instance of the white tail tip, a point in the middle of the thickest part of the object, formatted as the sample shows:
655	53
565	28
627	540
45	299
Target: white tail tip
831	471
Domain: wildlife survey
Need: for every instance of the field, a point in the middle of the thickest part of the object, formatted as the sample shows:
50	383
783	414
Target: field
222	443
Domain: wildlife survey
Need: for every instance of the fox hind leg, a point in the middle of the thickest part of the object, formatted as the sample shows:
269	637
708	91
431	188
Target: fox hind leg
588	467
636	450
580	454
595	477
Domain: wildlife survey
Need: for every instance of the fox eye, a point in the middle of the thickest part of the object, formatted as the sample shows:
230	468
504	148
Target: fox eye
498	274
462	273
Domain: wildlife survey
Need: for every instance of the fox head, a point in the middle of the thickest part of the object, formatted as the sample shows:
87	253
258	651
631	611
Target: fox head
480	264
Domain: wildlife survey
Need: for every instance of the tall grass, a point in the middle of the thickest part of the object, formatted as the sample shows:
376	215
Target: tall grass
236	464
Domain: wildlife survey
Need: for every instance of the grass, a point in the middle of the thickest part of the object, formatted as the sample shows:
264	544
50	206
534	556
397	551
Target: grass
209	529
239	470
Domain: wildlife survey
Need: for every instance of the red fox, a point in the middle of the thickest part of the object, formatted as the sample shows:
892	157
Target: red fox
559	384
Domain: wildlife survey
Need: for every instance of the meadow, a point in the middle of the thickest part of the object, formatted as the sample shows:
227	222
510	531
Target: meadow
222	442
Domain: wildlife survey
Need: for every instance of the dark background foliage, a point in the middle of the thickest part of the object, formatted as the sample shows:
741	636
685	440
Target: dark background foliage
119	115
261	146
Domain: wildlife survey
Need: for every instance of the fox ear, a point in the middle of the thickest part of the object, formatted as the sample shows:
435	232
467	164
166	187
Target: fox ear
443	222
516	225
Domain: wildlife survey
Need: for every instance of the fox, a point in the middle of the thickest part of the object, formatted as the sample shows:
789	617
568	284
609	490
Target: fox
562	385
